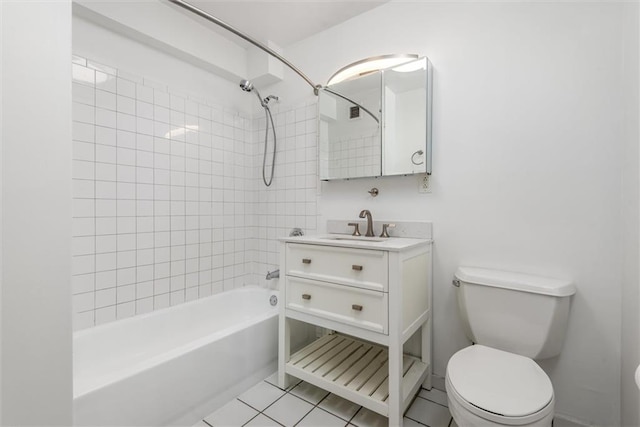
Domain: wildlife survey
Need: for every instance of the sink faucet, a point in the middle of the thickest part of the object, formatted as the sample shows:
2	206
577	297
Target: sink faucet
367	214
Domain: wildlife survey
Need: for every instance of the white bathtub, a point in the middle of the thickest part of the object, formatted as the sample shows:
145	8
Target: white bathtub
174	366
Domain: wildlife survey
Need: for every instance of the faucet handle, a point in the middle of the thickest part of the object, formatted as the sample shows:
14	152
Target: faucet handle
356	229
385	227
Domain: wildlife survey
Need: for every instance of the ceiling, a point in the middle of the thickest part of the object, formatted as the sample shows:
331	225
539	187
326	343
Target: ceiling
282	22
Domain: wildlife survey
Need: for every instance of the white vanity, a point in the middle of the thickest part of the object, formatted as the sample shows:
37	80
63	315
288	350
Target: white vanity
375	293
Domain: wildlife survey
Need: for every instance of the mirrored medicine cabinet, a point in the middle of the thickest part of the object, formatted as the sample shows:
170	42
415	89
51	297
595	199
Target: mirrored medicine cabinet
377	124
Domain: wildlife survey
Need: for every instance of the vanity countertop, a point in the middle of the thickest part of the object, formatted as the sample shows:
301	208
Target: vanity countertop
360	242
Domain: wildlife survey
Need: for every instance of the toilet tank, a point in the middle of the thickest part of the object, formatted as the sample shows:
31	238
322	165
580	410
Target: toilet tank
514	312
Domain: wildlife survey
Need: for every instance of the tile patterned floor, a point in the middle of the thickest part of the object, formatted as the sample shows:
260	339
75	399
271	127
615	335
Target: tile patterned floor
305	405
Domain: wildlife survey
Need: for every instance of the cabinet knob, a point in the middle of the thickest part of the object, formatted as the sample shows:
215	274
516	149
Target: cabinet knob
306	296
306	260
356	307
356	267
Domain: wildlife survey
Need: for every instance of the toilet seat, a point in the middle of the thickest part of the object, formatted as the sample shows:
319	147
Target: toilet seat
498	386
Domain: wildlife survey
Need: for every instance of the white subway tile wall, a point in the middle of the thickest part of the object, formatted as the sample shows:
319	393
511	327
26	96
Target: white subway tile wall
168	200
291	201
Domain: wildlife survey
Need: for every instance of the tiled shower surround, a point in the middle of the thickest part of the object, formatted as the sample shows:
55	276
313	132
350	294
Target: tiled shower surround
168	200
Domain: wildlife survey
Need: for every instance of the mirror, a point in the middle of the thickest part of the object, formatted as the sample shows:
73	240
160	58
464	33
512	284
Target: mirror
378	124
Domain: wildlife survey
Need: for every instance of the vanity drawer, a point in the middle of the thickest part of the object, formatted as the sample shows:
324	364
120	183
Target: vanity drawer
358	307
361	268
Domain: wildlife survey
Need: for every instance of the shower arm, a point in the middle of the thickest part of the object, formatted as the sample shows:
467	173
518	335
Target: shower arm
251	40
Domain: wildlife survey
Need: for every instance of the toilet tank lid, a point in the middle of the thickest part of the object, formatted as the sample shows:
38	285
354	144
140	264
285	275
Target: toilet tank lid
516	281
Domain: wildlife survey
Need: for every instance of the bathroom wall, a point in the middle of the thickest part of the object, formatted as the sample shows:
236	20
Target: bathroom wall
528	159
158	183
36	374
169	204
291	200
630	396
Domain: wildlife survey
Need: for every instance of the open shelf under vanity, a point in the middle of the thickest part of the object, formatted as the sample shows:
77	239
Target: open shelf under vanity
355	370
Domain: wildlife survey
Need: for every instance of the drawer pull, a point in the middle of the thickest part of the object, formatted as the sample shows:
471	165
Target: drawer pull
356	267
356	307
306	260
306	296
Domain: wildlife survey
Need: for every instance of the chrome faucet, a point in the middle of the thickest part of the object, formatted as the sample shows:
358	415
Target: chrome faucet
367	214
273	274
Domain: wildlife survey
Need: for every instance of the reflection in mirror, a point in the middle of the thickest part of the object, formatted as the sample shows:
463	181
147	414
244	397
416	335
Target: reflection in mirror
378	124
350	132
405	119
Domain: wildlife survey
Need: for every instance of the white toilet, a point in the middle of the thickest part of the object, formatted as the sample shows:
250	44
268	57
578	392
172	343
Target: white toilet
512	319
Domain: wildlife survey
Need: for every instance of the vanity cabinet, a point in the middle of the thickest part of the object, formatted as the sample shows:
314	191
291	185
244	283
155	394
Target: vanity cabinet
373	295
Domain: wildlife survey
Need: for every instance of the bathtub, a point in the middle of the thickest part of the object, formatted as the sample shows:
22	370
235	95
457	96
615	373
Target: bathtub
176	365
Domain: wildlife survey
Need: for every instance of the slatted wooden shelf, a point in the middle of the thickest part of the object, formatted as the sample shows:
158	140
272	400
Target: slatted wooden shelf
355	370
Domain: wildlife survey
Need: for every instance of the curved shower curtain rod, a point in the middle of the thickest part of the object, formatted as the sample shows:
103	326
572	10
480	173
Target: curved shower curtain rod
251	40
219	22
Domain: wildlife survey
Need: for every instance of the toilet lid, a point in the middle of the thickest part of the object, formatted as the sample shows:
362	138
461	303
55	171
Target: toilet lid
496	381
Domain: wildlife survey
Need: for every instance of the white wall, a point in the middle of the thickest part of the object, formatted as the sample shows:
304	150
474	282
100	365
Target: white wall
172	29
103	45
121	271
159	212
630	397
528	144
36	213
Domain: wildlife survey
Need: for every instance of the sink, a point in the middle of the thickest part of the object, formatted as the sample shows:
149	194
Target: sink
356	238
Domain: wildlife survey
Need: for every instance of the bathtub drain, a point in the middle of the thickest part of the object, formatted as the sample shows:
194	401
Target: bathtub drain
273	300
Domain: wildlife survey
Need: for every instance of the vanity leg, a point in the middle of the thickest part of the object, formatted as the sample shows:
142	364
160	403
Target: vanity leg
284	351
395	386
426	351
396	356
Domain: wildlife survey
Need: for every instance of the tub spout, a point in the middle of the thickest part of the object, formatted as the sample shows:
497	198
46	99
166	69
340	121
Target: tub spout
273	274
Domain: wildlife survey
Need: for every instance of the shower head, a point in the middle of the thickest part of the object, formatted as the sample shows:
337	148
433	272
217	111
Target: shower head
246	85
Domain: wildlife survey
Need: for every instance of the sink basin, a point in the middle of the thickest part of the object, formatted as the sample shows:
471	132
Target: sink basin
356	238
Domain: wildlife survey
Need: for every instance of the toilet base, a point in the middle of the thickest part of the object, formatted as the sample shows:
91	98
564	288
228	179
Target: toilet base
464	416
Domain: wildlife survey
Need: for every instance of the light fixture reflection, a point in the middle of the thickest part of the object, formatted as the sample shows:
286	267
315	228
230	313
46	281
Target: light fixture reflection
368	65
174	133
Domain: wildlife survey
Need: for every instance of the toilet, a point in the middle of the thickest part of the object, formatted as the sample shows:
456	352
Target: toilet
512	319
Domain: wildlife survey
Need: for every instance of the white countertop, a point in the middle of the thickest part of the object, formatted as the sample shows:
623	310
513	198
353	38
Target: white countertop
360	242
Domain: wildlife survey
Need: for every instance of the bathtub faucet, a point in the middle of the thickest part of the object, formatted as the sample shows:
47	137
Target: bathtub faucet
273	274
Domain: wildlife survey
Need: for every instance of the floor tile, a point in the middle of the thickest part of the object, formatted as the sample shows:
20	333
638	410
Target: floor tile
309	392
339	406
434	395
234	413
273	380
261	395
367	418
288	410
408	422
453	423
429	413
201	424
561	422
320	418
438	382
262	421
